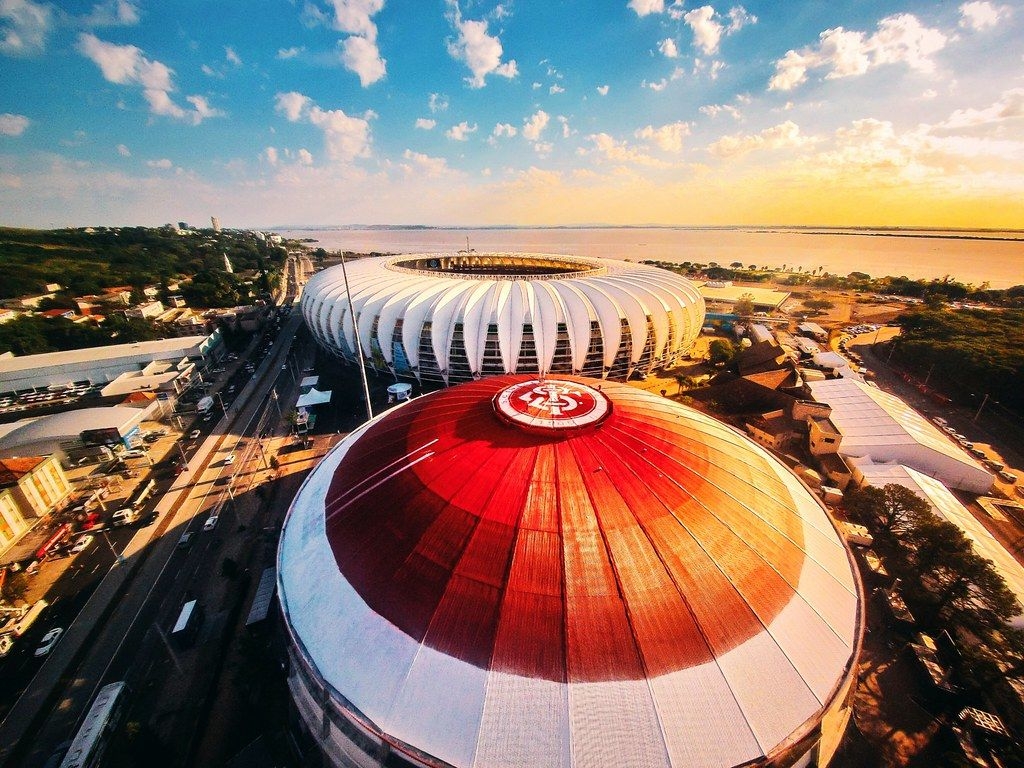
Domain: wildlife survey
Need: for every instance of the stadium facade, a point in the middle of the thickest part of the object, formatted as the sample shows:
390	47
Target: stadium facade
455	317
564	572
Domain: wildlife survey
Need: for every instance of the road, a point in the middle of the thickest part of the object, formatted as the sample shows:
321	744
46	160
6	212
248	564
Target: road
116	611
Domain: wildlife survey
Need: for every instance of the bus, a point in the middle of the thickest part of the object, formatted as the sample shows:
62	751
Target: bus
98	726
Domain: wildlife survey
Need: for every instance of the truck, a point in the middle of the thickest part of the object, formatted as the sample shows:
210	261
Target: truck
204	405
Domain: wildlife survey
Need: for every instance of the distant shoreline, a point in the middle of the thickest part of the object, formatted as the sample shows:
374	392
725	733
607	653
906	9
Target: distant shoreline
997	235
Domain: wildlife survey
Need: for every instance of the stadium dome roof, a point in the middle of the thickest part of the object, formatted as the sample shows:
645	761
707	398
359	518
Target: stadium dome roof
454	317
564	573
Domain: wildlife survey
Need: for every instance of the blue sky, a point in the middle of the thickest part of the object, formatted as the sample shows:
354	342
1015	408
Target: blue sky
519	112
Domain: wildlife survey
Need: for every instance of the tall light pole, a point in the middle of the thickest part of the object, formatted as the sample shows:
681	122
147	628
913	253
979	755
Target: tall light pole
980	407
118	559
359	344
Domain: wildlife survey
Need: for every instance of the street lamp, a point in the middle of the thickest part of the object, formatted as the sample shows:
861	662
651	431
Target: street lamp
980	407
118	559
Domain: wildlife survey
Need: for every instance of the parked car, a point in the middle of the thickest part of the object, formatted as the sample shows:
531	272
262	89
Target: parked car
82	544
1007	477
49	640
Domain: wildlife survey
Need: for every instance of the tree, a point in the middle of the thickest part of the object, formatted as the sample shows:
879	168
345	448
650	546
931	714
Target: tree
737	265
745	306
955	584
892	509
14	588
818	305
721	351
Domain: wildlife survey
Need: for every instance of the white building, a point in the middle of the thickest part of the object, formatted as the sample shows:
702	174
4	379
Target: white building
883	428
461	316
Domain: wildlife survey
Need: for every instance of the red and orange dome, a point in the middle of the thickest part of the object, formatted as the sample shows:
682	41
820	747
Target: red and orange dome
515	572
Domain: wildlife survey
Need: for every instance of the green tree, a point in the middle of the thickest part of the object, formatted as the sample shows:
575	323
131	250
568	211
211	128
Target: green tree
818	305
745	306
721	351
14	588
955	585
892	509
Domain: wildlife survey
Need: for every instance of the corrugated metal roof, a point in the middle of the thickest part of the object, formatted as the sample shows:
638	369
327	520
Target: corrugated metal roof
496	595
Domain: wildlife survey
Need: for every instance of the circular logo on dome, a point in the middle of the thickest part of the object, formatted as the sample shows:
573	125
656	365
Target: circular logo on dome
551	404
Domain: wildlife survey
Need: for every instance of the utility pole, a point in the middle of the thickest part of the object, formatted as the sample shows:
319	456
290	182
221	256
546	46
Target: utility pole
359	344
980	407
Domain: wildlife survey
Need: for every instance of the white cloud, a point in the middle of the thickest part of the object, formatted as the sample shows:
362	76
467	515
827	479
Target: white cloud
982	15
461	131
1010	106
556	88
346	137
437	102
480	51
566	130
603	90
739	18
421	164
162	164
782	136
123	150
668	138
292	105
504	129
668	48
657	85
534	126
425	124
113	13
270	155
361	55
23	26
125	64
845	53
646	7
290	53
355	17
201	109
707	32
231	56
305	158
622	152
13	125
714	110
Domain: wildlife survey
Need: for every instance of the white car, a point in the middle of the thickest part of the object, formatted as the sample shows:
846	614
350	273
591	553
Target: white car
49	640
194	434
211	523
82	544
229	459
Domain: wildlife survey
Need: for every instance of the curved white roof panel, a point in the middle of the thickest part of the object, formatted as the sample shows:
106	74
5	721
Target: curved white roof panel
568	572
458	317
883	427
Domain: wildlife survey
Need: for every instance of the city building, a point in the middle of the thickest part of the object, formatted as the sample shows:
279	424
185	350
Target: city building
456	317
72	435
564	572
99	365
31	487
880	426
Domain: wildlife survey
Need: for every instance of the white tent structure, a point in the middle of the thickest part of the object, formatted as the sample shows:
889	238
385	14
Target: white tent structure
945	504
880	426
312	398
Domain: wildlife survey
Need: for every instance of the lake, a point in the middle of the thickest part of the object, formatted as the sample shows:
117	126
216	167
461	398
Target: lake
971	257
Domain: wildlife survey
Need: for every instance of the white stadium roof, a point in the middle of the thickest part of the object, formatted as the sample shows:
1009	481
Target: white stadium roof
883	427
459	316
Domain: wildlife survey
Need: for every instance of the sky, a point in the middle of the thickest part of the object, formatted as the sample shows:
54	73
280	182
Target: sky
279	113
